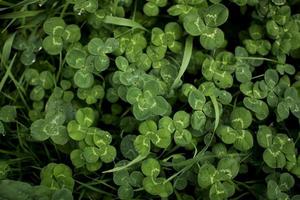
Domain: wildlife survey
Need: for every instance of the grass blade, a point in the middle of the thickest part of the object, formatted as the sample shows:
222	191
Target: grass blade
185	61
6	75
123	22
7	49
21	14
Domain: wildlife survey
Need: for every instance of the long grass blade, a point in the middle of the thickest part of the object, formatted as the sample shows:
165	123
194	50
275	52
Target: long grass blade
21	14
7	49
185	61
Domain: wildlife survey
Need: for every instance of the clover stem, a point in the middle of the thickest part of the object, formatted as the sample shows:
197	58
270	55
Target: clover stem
139	189
241	196
256	58
59	69
123	22
93	188
64	10
258	76
188	49
134	10
134	161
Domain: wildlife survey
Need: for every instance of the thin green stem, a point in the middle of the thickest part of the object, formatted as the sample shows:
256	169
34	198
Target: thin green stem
134	161
64	10
93	188
256	58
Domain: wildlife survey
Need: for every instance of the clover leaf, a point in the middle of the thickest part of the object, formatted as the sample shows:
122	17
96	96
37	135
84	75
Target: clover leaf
41	81
151	8
58	33
8	113
207	175
82	6
182	8
57	176
50	127
215	15
29	46
216	71
236	134
290	103
150	167
158	186
98	50
78	128
196	99
241	118
259	107
93	156
149	133
194	24
205	24
217	180
279	149
152	183
168	37
147	102
277	187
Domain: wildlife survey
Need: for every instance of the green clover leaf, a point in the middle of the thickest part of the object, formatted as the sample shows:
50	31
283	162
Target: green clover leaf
228	168
53	44
81	6
54	26
274	158
57	176
109	154
158	186
8	113
198	120
182	137
207	175
76	58
215	15
142	145
77	158
127	147
241	118
227	134
196	99
78	129
218	191
162	138
151	8
150	167
50	127
259	107
264	136
91	96
193	24
212	38
168	37
167	123
181	120
125	192
58	33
